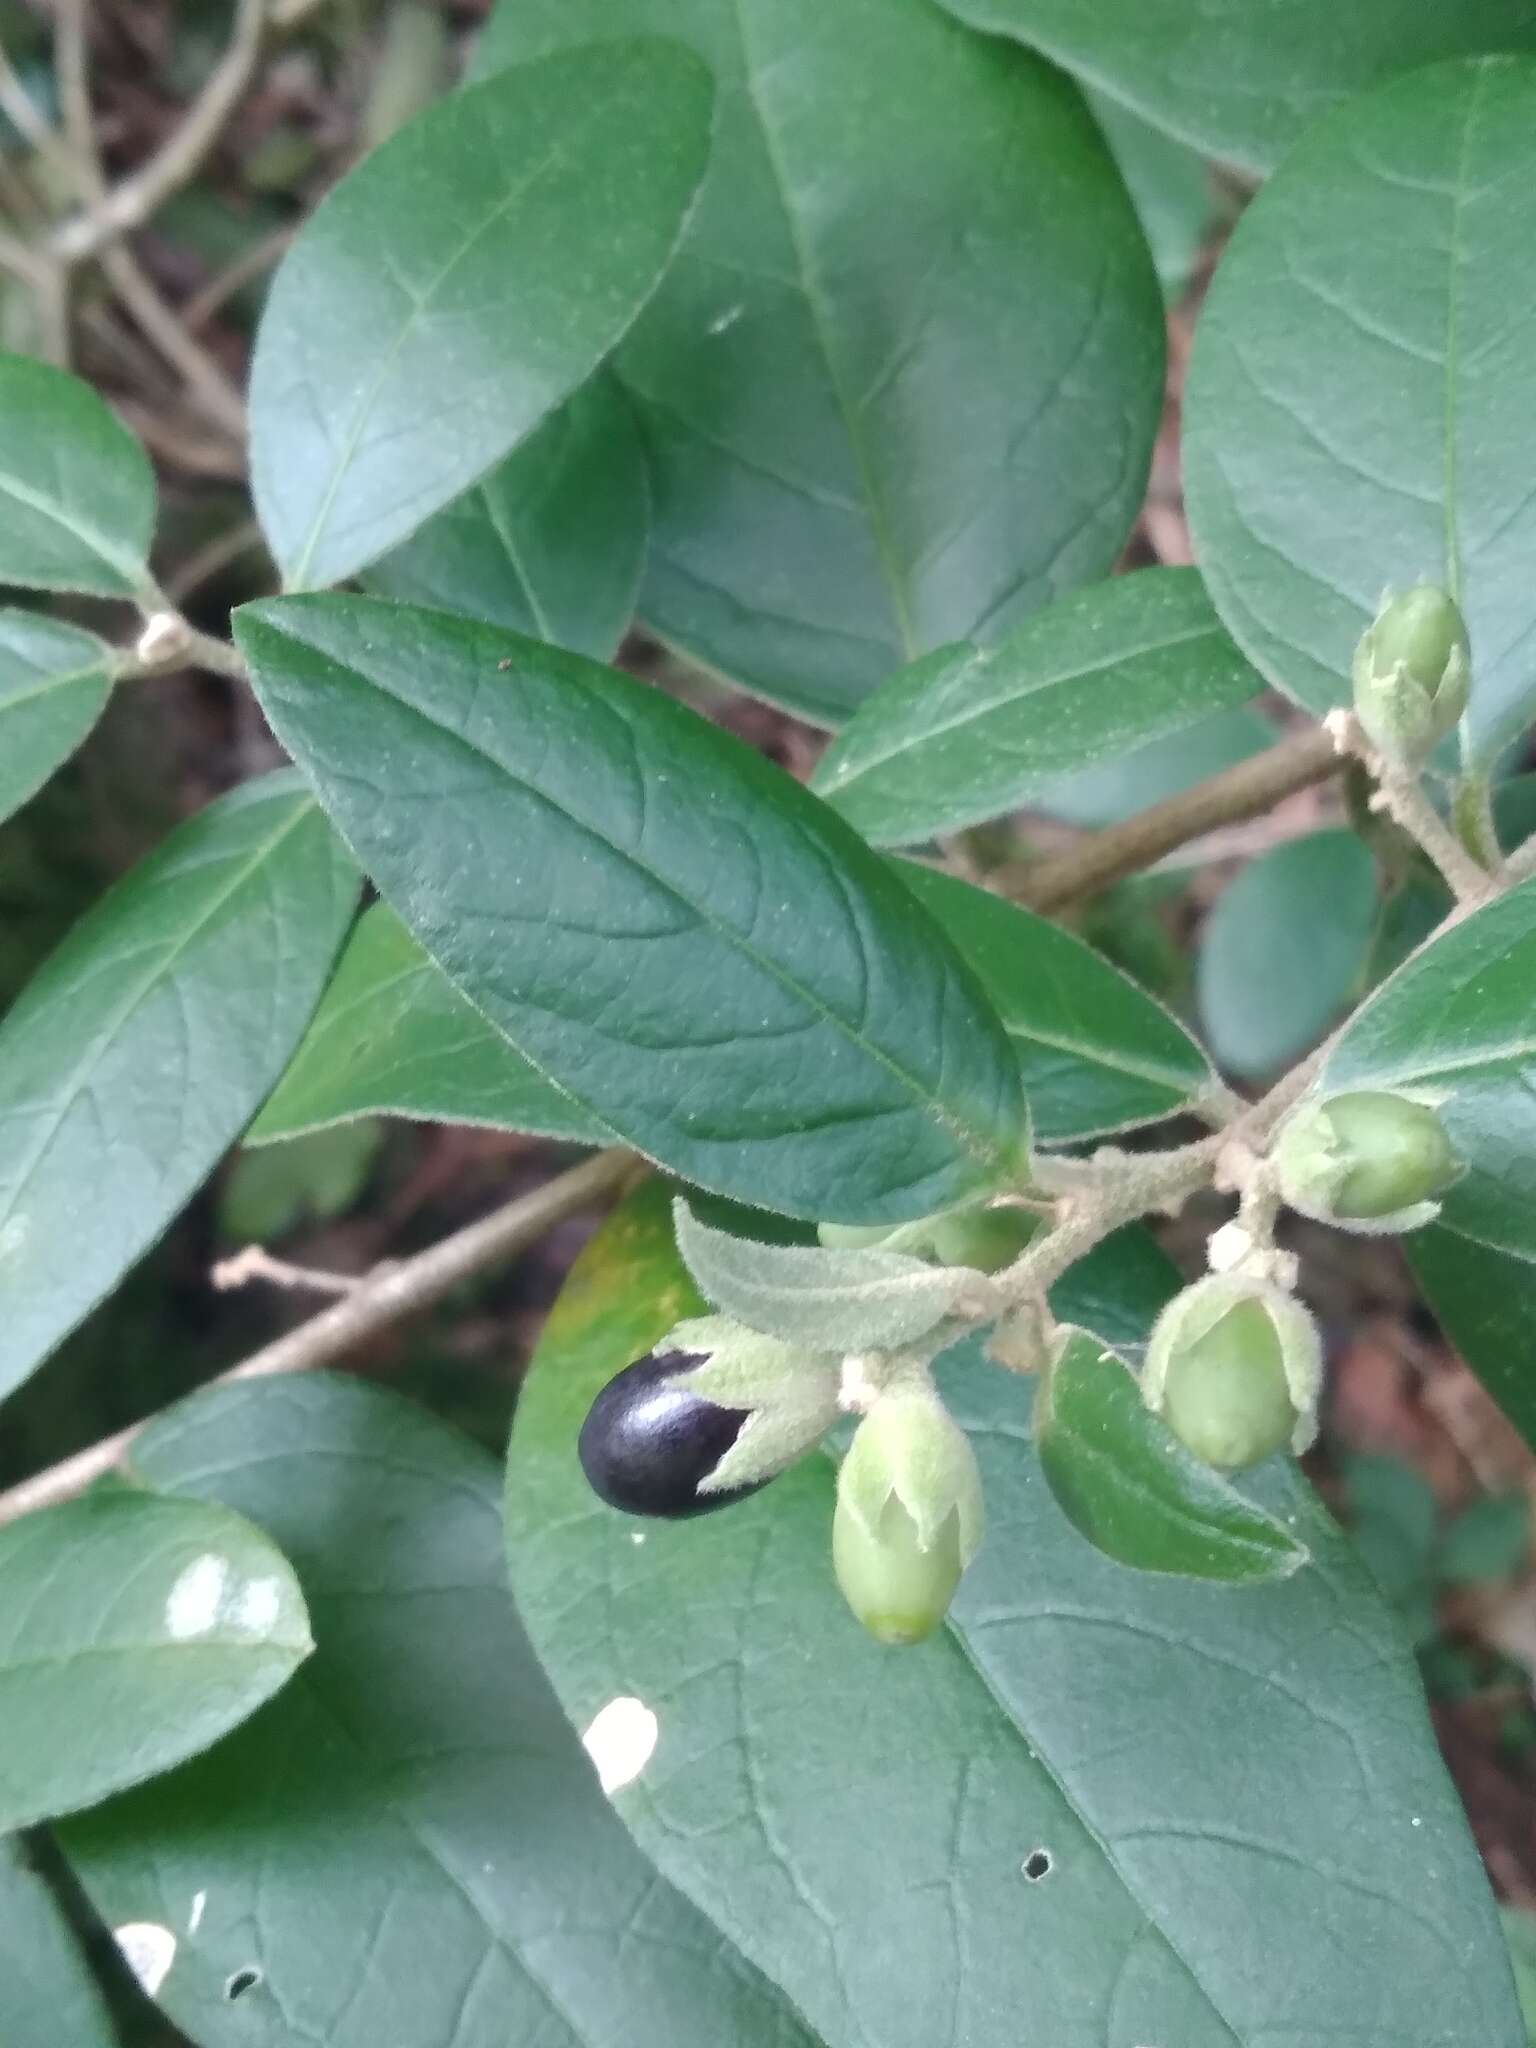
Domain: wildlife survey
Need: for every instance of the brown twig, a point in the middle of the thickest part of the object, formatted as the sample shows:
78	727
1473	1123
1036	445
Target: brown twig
131	203
1243	791
381	1299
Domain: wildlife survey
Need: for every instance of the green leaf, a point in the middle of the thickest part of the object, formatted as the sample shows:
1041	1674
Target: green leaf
134	1632
77	494
967	734
54	685
1125	1482
1235	1794
1172	186
408	1845
667	927
134	1057
459	284
1453	1026
48	1995
1361	407
318	1176
829	1298
1489	1539
1096	1053
552	543
1284	949
914	289
393	1036
1240	81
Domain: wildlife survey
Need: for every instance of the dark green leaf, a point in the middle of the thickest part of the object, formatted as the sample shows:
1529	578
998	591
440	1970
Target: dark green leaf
966	735
459	284
1097	1054
1125	1482
1247	1836
1361	404
54	684
551	543
1453	1025
48	1997
666	926
408	1845
134	1632
1284	949
1242	81
137	1053
393	1036
901	384
77	494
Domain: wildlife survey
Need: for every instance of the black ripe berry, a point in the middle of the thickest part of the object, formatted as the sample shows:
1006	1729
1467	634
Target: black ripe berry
646	1442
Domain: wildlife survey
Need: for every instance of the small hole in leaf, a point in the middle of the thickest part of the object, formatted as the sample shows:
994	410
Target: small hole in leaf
1037	1864
241	1982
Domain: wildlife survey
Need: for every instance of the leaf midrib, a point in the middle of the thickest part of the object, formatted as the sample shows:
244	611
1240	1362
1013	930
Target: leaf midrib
100	667
128	569
980	1149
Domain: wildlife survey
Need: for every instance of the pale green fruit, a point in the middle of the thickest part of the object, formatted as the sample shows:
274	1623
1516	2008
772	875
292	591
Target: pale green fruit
1234	1368
1412	672
897	1588
908	1516
1369	1157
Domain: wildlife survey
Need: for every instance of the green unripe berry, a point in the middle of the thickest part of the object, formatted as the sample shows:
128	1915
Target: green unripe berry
1234	1368
986	1240
898	1588
1412	672
1225	1397
908	1516
1369	1158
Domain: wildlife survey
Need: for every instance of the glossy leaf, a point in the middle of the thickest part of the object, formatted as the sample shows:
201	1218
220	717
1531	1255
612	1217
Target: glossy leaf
1096	1053
54	685
1454	1026
134	1057
669	928
134	1632
77	494
408	1845
552	542
48	1995
459	284
1361	405
1113	1788
900	386
967	735
1125	1482
1240	81
394	1037
1285	949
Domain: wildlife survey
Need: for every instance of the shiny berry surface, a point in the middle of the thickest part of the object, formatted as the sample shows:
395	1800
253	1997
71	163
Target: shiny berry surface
647	1443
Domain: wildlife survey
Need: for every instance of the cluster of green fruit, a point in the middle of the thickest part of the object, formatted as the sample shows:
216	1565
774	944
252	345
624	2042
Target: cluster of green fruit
1233	1368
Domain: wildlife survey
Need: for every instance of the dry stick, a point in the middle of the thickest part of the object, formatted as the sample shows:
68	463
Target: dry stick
1243	791
180	157
380	1299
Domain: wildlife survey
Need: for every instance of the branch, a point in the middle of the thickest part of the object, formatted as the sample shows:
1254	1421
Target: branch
1245	790
1400	795
381	1299
180	157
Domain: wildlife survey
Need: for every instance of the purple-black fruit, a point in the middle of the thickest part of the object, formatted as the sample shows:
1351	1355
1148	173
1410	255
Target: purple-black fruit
647	1443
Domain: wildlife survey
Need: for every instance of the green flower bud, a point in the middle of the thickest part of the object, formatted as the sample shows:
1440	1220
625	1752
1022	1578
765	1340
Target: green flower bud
1234	1368
908	1517
1412	672
1371	1161
984	1239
